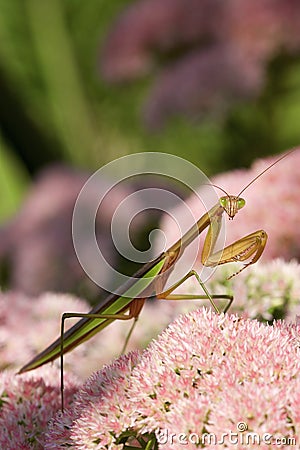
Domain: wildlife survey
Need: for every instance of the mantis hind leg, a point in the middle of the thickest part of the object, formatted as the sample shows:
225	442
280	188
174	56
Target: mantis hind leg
134	311
167	295
129	335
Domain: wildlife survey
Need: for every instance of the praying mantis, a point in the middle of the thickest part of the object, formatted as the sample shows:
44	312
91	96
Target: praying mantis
151	279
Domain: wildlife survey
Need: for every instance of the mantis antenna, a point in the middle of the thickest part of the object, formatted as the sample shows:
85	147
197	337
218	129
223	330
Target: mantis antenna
264	171
218	187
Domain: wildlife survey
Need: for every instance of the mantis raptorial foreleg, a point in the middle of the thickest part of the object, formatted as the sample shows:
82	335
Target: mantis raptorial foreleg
250	246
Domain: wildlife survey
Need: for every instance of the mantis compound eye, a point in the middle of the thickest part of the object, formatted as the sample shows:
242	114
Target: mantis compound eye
224	202
240	203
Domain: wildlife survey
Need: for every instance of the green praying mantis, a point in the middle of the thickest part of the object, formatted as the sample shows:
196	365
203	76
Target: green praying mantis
151	279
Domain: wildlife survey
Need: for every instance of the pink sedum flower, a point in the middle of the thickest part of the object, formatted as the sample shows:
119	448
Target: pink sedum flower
104	391
27	404
204	374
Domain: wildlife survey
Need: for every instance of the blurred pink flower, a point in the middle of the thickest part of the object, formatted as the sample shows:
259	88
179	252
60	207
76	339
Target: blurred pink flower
37	243
213	51
28	325
36	246
205	373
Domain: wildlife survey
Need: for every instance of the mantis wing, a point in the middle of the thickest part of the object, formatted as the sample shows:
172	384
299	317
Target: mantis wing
87	327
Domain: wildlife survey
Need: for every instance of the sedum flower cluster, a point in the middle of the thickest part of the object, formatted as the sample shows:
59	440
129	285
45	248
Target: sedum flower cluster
208	380
202	378
27	403
205	377
264	291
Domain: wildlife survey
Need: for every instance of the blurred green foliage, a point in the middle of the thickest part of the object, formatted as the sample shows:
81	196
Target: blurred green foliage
55	107
13	181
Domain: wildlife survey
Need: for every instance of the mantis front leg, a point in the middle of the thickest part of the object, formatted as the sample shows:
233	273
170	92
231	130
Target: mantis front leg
250	246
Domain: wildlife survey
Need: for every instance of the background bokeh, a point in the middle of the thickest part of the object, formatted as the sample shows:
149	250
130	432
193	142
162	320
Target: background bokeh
83	83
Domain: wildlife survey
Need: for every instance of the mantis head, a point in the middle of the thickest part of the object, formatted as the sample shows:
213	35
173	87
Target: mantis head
232	204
